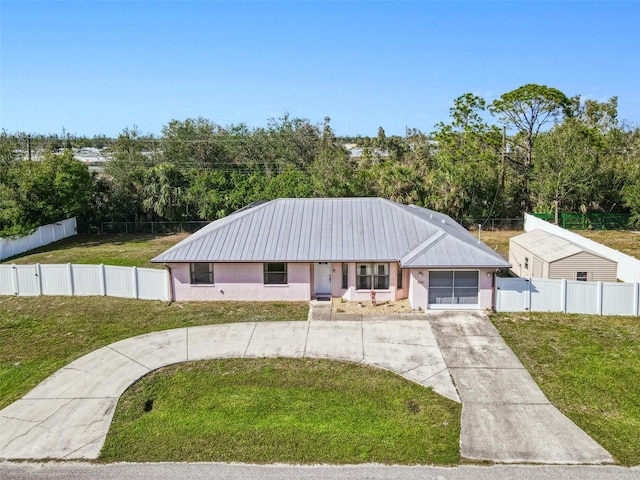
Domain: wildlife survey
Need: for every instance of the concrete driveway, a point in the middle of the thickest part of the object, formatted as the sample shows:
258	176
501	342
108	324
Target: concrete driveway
68	415
505	417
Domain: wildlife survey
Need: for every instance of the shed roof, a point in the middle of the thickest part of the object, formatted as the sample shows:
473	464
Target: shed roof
548	247
336	229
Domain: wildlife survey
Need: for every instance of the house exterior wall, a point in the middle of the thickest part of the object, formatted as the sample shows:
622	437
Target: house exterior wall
419	288
597	268
242	282
353	294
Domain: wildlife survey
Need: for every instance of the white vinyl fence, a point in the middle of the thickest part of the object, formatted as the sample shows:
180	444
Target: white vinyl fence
628	267
42	236
71	279
567	296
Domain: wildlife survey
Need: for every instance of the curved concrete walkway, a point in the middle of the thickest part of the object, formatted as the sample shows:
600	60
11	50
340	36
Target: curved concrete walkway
505	416
68	415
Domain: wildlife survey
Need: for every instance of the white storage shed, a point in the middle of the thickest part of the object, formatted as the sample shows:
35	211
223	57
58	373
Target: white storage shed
543	255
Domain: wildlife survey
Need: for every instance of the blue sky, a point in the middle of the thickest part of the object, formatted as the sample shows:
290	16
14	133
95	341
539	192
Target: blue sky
95	67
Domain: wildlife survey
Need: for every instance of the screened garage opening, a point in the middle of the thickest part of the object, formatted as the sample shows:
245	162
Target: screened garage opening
454	289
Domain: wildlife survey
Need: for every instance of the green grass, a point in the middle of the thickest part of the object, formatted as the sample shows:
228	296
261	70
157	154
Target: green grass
282	410
589	367
42	334
127	250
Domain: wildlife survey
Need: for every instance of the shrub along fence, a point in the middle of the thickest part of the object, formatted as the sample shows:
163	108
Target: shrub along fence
43	235
71	279
566	296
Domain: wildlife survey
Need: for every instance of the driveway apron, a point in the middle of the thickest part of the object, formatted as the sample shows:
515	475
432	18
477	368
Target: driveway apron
505	416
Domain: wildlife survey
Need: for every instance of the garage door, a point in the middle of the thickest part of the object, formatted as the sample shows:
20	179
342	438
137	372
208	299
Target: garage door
449	289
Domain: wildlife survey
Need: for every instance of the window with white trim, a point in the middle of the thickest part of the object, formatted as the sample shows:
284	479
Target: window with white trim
275	273
201	273
372	276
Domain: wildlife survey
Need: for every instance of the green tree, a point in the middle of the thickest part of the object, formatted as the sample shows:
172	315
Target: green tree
528	109
464	175
566	168
165	192
40	192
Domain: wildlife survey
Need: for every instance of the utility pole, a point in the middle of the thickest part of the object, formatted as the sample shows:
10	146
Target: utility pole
503	155
29	145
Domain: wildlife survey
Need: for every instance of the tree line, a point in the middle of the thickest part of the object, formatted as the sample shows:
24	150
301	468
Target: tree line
533	149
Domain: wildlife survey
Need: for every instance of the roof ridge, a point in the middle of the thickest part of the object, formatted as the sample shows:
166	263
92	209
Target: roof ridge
418	250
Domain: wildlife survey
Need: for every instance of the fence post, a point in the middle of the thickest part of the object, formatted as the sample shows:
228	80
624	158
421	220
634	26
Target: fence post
39	275
599	298
168	290
527	296
134	278
103	280
70	278
636	298
14	279
563	295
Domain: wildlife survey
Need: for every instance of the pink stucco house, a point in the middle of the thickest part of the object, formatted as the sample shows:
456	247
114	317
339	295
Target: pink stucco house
299	249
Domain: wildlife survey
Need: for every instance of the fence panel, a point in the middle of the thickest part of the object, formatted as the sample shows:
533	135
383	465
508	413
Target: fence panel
44	235
6	280
582	297
55	279
87	279
152	284
546	295
68	279
118	281
28	282
618	298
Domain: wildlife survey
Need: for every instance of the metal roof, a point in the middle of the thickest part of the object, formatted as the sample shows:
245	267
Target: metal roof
548	247
338	230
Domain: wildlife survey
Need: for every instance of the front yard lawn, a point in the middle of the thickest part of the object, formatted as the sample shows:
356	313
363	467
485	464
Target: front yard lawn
589	367
39	335
282	410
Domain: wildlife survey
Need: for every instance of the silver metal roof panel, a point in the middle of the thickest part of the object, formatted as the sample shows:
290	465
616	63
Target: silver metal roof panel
336	229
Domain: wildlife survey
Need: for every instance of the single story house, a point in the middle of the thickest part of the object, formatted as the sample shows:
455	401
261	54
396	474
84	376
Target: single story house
543	255
297	249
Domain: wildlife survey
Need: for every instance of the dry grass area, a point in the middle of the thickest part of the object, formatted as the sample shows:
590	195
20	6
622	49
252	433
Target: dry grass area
498	240
339	305
623	240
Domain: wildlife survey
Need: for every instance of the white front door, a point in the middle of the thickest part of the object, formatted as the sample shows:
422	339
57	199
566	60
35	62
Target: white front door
322	278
